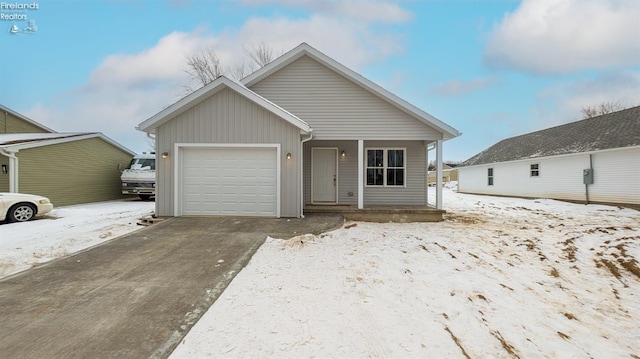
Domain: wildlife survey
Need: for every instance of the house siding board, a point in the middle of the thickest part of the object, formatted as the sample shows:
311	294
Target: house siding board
4	177
12	124
615	180
74	172
228	117
337	108
412	194
616	176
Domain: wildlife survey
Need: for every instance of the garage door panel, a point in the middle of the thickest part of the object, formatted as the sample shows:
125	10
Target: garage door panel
229	181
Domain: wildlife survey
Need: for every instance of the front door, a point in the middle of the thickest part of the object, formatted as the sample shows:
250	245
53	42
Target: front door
324	180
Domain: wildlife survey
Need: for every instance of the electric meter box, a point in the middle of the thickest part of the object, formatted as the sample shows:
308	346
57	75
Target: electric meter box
587	176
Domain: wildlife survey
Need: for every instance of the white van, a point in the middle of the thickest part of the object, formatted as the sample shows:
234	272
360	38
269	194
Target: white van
140	176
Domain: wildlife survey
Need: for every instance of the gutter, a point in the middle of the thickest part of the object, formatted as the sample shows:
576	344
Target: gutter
302	172
13	169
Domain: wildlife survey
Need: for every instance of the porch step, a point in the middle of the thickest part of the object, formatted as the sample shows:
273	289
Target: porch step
382	214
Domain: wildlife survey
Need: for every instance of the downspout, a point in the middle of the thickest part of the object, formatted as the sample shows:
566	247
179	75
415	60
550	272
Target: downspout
152	137
302	173
13	169
429	146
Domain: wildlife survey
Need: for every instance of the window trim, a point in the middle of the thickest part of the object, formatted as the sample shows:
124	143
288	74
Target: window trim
536	170
385	167
490	176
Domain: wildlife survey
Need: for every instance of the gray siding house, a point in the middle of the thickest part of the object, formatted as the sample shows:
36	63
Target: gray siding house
551	163
302	130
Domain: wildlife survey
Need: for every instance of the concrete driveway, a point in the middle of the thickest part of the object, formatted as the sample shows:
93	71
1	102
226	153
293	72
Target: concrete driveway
137	295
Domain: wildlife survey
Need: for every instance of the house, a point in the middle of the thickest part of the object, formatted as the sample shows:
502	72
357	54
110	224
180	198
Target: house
302	130
13	122
69	168
592	160
449	174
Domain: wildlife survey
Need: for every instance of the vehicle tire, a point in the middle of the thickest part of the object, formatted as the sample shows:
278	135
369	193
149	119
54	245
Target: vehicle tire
144	197
22	212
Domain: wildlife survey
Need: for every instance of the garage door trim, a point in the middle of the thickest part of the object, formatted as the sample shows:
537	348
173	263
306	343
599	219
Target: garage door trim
180	147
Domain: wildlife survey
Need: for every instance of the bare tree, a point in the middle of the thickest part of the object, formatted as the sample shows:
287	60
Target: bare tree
603	108
205	66
260	53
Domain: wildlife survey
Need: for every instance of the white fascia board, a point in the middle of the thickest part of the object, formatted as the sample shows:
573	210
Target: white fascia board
65	137
215	86
305	49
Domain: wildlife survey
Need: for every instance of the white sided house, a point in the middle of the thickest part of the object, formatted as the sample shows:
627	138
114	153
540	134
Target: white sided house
302	130
592	160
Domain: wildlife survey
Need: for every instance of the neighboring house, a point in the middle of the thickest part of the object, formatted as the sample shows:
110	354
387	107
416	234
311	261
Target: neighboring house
13	122
69	168
552	163
302	130
449	174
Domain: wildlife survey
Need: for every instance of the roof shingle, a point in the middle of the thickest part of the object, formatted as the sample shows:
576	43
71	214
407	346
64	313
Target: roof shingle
613	130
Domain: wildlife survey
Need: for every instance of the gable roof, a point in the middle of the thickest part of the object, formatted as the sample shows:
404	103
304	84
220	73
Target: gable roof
613	130
305	49
13	142
25	118
214	87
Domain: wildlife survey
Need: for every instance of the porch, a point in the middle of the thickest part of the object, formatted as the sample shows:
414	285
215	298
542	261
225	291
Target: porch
380	214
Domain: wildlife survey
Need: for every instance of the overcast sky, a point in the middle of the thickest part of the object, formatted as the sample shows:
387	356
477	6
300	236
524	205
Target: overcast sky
492	69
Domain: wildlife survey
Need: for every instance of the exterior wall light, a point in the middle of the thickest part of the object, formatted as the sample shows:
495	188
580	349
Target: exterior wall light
289	155
343	154
165	154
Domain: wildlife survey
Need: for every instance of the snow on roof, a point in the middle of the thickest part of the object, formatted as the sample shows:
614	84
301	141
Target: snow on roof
613	130
18	141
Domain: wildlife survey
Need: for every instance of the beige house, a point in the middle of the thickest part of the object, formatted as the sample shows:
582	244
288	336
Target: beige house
449	174
303	130
69	168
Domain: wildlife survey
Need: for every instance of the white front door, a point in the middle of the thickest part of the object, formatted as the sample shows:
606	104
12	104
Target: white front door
324	176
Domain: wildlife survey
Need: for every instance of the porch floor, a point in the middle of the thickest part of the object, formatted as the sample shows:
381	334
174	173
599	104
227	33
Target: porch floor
380	214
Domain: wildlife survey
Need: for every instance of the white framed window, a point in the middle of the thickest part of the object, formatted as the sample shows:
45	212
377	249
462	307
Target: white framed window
386	167
534	170
490	176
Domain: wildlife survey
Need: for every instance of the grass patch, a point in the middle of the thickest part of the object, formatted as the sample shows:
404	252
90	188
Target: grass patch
457	341
554	273
508	347
570	249
611	267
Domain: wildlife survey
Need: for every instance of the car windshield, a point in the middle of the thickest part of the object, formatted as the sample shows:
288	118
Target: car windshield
142	163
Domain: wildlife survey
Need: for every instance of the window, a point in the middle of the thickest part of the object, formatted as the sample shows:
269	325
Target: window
385	167
490	176
535	170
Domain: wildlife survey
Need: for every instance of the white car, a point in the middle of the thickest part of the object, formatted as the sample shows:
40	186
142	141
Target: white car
19	207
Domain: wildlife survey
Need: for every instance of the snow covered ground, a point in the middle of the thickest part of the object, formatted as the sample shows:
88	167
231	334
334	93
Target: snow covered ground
500	278
66	230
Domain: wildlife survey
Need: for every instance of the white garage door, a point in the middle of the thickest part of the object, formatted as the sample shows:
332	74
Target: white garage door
229	181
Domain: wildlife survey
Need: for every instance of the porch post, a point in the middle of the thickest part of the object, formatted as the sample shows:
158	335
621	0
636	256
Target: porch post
360	174
439	174
426	174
